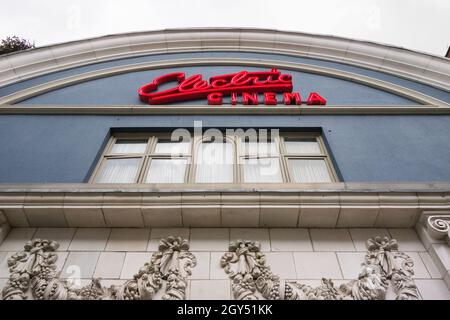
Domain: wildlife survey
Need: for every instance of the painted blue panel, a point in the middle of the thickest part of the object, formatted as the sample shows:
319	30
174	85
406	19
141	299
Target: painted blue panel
121	89
434	92
45	148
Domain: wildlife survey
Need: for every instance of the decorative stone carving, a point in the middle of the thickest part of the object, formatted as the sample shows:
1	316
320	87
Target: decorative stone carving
252	275
34	268
33	273
252	279
439	227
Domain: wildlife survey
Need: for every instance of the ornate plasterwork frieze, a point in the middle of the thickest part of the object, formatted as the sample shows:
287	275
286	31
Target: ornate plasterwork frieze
33	271
438	227
383	264
33	274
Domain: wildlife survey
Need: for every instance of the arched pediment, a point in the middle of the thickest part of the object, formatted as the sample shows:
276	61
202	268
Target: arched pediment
348	72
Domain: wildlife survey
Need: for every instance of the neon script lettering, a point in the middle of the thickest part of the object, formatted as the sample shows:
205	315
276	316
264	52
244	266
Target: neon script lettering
244	83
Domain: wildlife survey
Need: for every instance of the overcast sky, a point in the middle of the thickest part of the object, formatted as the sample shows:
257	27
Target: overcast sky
422	25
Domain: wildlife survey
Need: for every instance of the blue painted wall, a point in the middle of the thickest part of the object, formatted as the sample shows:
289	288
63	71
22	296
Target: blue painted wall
434	92
64	149
122	89
51	148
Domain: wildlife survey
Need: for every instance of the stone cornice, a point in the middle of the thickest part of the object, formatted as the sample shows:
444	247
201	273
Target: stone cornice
425	187
207	110
425	68
327	205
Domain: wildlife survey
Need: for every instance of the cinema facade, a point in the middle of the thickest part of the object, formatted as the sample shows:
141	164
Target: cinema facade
224	164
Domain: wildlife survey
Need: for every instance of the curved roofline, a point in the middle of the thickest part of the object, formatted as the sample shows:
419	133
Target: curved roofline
417	66
229	29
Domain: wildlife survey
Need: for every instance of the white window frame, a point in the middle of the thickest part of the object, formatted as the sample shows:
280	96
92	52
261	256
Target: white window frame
238	155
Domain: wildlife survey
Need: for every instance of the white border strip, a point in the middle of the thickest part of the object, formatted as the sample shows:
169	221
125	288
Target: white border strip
85	188
227	110
416	66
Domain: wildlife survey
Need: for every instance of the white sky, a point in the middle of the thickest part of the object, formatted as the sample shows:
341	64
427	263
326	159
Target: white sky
422	25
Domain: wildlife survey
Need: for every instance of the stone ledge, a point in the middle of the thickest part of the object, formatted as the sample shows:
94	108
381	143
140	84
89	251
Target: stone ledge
205	109
342	205
434	190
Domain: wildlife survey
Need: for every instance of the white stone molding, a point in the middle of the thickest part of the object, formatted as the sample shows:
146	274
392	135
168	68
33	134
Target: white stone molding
252	279
438	227
205	109
34	270
422	67
102	73
156	205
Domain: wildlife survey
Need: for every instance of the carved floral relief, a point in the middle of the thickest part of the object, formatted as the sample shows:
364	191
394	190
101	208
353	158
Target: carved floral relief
33	273
34	270
383	264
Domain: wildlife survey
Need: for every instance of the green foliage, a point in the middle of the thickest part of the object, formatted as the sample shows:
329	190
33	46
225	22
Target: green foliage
13	44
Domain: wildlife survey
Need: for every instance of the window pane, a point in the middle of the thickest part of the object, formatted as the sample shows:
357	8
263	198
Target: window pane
309	170
214	163
259	148
129	146
171	147
166	171
302	146
119	171
262	170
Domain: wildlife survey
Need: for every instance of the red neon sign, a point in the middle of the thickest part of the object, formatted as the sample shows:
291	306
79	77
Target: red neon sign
247	84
